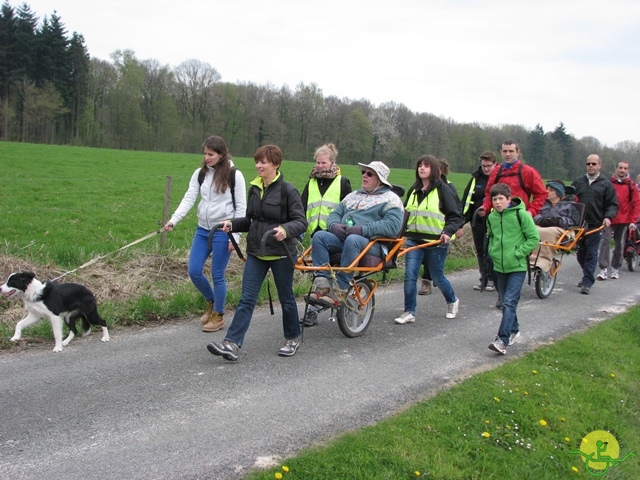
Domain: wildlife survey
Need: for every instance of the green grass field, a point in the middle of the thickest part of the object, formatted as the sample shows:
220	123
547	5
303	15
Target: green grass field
65	205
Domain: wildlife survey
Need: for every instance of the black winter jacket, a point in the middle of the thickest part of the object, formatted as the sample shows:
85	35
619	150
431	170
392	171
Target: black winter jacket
477	196
279	205
599	198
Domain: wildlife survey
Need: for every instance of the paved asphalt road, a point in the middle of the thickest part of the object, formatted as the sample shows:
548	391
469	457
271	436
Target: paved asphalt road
155	404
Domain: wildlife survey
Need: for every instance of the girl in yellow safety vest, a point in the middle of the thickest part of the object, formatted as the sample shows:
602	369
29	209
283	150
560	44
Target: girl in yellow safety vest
434	214
325	189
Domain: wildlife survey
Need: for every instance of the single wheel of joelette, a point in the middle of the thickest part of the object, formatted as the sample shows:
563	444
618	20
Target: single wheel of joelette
545	282
354	319
632	260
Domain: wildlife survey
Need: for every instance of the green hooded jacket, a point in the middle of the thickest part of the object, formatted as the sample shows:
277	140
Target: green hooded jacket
512	237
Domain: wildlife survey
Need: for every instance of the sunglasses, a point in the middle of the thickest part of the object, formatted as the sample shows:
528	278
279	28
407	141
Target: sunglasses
367	173
591	163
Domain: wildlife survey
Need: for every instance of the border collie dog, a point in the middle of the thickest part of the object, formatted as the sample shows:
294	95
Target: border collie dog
57	302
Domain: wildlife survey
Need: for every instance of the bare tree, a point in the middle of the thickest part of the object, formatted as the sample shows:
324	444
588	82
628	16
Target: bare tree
194	94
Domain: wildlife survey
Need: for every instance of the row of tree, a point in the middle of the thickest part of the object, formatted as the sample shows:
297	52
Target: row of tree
53	92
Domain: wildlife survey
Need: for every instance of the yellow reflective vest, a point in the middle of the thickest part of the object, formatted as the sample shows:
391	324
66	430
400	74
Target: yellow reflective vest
425	218
319	207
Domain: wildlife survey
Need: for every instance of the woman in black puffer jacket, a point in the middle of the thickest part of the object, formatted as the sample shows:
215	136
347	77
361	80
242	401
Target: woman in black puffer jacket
273	205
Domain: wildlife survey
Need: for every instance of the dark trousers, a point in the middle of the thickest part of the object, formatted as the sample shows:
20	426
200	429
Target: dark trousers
588	256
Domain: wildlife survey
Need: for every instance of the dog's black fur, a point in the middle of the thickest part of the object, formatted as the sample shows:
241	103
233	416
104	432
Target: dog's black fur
57	302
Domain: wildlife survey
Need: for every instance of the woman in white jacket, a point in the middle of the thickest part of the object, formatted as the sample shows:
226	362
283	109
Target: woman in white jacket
222	197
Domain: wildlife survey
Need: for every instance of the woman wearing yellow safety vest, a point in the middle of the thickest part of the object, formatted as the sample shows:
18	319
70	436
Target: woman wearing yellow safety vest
434	214
323	192
325	189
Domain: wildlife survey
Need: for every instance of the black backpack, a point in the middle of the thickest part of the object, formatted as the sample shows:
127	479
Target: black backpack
501	174
232	183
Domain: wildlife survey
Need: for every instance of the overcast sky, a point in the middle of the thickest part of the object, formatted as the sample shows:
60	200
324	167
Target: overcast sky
494	62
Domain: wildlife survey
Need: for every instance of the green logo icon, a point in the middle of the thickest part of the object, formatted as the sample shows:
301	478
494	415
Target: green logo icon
600	450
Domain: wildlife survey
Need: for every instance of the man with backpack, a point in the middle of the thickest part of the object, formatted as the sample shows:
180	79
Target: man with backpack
628	212
524	181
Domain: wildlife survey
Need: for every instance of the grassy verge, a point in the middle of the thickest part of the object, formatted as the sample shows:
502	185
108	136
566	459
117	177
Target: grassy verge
521	420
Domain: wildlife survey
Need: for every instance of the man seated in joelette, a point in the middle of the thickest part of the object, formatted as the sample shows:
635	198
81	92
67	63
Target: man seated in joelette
556	215
369	212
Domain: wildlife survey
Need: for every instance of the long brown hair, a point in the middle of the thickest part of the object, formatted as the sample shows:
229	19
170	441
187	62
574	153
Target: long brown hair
435	170
223	168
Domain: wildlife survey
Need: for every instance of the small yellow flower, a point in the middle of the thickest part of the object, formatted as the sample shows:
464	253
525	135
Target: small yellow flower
526	393
613	375
496	399
562	419
509	427
486	434
285	469
487	422
535	372
416	473
278	475
543	423
574	469
567	439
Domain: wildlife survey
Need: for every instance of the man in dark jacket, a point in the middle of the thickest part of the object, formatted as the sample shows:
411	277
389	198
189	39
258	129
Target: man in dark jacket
596	192
473	197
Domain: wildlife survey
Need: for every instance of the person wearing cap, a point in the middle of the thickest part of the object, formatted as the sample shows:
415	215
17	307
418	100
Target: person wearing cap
369	212
434	214
556	215
473	197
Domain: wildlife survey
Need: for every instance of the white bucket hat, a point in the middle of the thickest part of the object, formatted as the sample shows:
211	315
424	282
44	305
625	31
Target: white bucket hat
381	170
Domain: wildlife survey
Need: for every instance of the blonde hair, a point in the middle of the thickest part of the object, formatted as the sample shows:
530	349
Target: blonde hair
328	149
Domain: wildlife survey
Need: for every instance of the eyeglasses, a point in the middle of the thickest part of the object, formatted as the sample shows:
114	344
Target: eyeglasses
591	163
367	173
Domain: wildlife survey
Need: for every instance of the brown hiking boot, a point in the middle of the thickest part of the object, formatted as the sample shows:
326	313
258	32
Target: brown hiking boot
425	289
214	323
205	318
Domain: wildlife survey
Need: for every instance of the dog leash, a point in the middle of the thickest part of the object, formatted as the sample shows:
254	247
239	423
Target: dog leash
100	257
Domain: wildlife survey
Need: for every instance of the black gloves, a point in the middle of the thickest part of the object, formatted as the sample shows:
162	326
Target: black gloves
549	222
355	230
339	231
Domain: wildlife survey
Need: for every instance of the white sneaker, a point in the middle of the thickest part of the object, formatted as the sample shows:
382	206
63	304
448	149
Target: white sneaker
406	317
452	309
513	337
602	275
614	274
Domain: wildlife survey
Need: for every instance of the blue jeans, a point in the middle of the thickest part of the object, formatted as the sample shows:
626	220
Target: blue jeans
326	243
255	271
509	286
588	256
219	260
434	258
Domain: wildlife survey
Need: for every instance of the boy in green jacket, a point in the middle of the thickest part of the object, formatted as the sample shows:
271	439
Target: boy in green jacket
512	237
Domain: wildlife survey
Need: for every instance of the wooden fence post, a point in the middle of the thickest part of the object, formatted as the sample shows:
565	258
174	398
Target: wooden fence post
165	211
